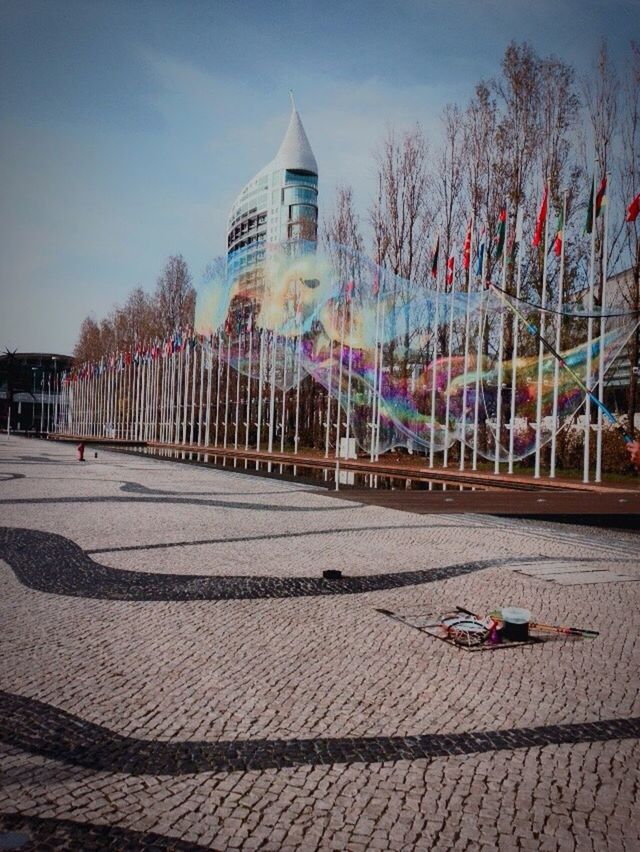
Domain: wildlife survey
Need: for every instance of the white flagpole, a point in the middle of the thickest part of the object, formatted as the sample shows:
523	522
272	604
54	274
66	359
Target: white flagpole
207	428
226	392
185	403
193	389
479	355
445	460
587	376
541	325
237	425
285	347
178	395
556	377
498	434
260	390
434	366
338	423
514	355
272	391
467	320
296	437
201	397
601	353
218	378
383	318
328	424
350	372
247	424
374	395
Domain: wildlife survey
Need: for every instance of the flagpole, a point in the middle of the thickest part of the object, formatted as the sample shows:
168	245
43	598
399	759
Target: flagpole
467	319
514	353
178	395
249	369
445	459
218	379
285	353
556	372
237	424
207	427
328	425
193	347
543	305
296	437
260	390
185	404
338	422
350	372
226	392
498	433
201	396
603	305
383	318
434	369
272	392
587	402
479	354
374	398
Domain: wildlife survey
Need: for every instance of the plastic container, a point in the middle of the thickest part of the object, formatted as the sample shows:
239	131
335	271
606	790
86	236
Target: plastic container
516	623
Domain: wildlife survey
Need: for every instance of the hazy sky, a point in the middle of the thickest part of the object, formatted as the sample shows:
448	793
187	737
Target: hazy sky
128	128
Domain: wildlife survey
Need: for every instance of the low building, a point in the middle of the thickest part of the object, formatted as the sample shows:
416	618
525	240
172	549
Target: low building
29	390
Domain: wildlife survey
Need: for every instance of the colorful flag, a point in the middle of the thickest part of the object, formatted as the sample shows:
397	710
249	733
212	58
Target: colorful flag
480	259
434	259
376	283
502	226
349	293
542	217
600	202
466	257
450	268
557	245
633	209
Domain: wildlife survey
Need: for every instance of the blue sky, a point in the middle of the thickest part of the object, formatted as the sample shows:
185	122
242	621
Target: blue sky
127	128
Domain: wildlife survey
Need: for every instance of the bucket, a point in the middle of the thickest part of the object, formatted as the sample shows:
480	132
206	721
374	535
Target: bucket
516	623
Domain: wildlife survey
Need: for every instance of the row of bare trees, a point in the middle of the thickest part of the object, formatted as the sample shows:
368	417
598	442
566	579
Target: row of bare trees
534	123
143	317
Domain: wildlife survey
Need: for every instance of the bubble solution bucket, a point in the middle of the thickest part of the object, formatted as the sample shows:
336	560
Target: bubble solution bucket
516	623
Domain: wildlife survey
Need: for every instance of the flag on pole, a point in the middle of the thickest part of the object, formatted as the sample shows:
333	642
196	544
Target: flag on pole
480	258
466	257
542	217
633	209
600	202
450	268
502	225
349	293
557	245
434	258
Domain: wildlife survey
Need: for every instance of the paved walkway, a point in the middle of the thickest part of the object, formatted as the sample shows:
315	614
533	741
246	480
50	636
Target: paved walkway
175	673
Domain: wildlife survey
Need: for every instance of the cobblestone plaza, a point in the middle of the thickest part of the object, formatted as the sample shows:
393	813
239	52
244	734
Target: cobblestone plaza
175	673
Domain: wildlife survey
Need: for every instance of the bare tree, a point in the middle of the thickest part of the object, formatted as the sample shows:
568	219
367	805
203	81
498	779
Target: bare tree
89	344
629	181
343	226
175	296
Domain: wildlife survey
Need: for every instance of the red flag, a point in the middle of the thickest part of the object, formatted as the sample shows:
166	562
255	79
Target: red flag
542	215
376	283
349	290
600	197
633	209
450	267
466	257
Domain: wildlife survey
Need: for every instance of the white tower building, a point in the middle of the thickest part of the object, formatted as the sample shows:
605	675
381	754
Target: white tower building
279	203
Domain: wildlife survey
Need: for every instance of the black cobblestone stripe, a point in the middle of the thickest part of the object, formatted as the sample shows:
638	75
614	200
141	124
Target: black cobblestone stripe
7	477
137	488
272	536
52	563
55	834
183	501
52	733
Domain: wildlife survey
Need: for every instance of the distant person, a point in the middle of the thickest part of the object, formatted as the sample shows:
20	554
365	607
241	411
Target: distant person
634	451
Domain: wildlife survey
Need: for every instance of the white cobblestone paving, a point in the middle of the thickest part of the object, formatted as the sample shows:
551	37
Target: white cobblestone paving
313	667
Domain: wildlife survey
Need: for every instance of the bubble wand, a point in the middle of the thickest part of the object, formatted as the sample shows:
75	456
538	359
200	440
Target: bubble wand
533	330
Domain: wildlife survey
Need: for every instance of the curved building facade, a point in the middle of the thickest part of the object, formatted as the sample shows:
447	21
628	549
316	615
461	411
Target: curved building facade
280	203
